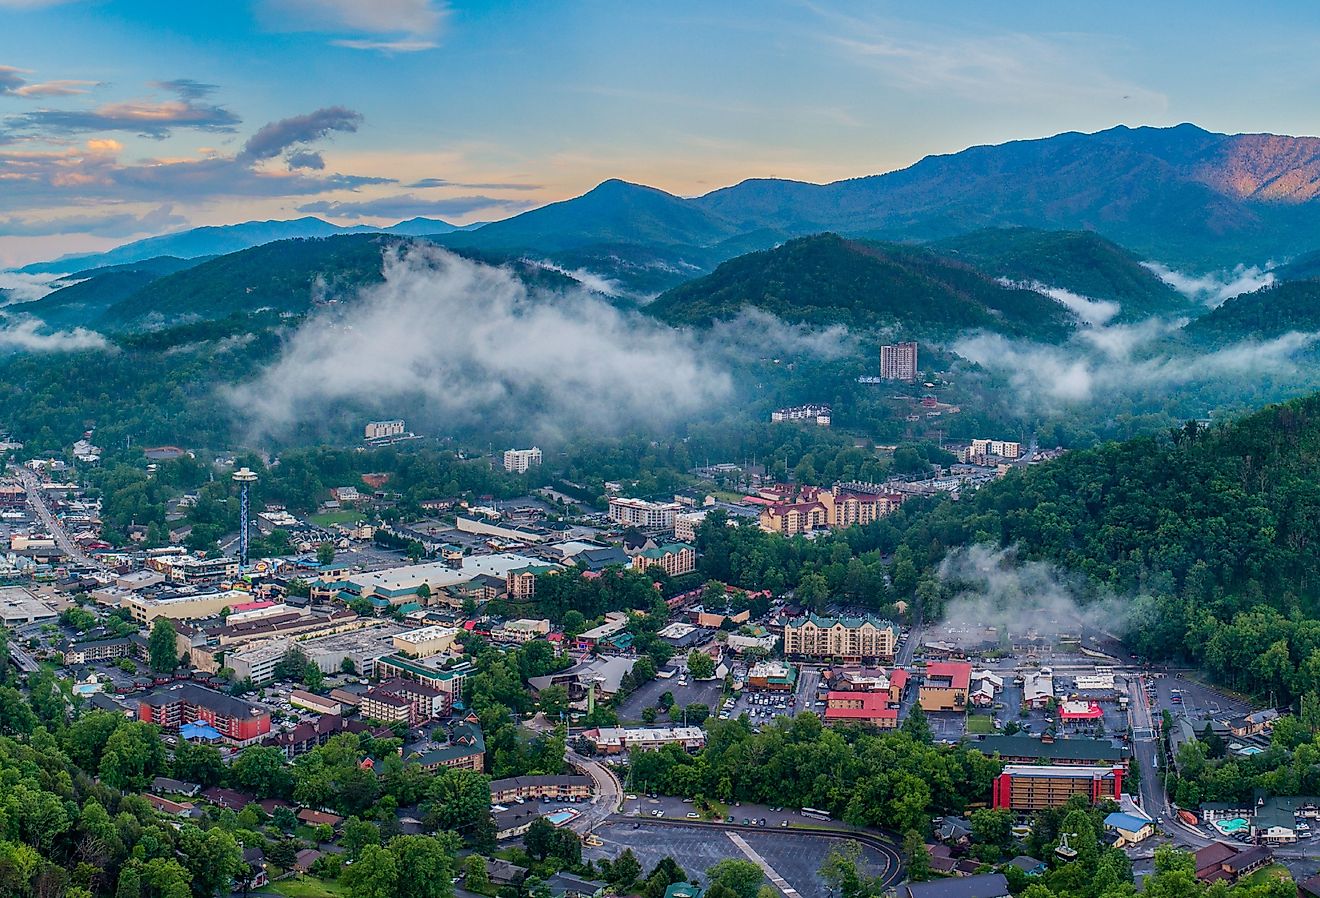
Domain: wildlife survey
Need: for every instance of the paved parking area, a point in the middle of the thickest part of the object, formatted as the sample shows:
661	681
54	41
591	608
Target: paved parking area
794	856
695	692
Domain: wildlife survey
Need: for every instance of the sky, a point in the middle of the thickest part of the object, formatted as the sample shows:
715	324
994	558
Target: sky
121	119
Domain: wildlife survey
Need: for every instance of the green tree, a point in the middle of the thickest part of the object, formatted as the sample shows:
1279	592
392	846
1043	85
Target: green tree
475	877
553	701
374	875
918	858
262	771
357	835
133	756
211	857
916	725
700	665
741	877
161	647
425	865
312	677
325	553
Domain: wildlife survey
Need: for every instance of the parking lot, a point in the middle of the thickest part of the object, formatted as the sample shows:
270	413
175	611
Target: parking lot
705	692
794	856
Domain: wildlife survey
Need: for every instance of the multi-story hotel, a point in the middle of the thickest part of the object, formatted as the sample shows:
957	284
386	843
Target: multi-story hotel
176	706
1033	788
640	513
814	508
899	362
518	461
675	559
849	638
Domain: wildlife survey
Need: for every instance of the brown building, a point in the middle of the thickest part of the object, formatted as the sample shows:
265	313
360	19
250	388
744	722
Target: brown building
945	686
849	638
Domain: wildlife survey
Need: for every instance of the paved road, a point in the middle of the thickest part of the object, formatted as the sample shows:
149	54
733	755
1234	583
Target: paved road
37	499
606	792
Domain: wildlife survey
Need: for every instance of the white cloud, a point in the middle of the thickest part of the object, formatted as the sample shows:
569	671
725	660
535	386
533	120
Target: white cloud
1215	288
391	26
465	342
1090	311
19	287
29	335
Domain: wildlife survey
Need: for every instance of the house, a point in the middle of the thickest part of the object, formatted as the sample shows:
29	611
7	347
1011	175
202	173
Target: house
984	885
227	798
985	687
1029	865
1222	861
306	858
945	686
504	873
566	885
173	786
1253	724
1037	689
316	818
256	877
683	890
1130	828
173	808
863	707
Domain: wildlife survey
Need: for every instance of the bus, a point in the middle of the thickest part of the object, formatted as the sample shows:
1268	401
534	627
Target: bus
815	814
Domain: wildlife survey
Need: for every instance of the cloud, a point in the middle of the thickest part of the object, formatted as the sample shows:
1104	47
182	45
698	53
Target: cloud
1052	376
1215	288
115	224
406	206
994	588
390	26
462	342
19	287
273	139
425	183
149	118
305	159
31	4
14	84
758	333
1090	311
29	335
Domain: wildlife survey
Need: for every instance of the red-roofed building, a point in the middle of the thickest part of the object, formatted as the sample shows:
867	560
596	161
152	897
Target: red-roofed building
249	606
863	707
898	680
1080	712
945	686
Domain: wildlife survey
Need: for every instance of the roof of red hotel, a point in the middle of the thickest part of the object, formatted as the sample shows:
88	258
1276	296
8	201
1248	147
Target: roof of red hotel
898	677
1093	712
959	673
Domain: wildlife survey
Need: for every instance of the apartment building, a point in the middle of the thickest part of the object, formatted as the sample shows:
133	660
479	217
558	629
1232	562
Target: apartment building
520	583
449	681
518	461
898	361
97	650
815	508
520	631
815	414
532	788
380	430
675	559
848	638
1034	788
465	749
643	514
686	524
236	721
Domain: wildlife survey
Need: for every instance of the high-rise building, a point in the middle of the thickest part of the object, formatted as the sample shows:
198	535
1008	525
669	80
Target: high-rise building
379	430
899	361
640	513
519	460
854	638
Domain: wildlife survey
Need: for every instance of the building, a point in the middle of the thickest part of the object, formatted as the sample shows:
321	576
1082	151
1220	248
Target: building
1224	862
615	740
521	631
1253	724
90	650
815	414
534	788
425	642
383	430
945	686
191	569
18	606
602	675
772	676
301	698
848	638
518	461
1032	788
643	514
898	361
447	681
981	450
814	508
520	583
686	524
1078	751
981	885
464	750
238	722
615	622
675	559
1129	828
861	707
399	585
387	707
185	607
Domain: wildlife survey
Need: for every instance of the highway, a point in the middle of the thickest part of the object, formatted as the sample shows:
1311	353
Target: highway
606	792
36	497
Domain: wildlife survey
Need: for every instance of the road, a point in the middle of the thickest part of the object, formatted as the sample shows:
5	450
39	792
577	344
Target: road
36	496
606	792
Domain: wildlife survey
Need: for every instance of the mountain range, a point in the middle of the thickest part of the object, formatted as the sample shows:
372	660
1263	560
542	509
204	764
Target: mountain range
1182	196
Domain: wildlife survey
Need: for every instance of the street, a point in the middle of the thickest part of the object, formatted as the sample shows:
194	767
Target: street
36	497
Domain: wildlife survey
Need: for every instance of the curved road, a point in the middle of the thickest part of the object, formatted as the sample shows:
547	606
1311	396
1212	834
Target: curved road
606	792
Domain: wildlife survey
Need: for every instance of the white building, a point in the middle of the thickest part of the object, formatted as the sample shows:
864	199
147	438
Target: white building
820	414
899	362
640	513
379	430
518	461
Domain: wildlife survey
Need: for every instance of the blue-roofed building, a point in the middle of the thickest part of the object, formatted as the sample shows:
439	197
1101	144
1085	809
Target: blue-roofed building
1130	828
200	732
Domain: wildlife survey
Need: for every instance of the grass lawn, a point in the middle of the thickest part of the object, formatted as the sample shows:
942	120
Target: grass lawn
335	516
308	887
980	724
1267	874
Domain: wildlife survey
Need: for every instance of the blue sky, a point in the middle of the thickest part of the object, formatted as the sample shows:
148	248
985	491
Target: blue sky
122	119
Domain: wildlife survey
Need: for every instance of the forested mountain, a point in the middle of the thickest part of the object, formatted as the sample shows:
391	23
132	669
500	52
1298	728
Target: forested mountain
1265	314
89	294
1207	536
827	279
1080	261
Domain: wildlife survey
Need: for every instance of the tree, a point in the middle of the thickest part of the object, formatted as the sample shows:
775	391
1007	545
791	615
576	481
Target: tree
700	665
918	858
198	763
373	875
261	770
992	827
357	835
325	553
813	591
554	701
540	838
625	869
425	865
312	677
346	666
284	819
743	878
475	877
916	725
211	857
133	756
161	646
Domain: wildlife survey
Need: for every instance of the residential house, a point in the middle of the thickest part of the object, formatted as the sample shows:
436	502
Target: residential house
984	885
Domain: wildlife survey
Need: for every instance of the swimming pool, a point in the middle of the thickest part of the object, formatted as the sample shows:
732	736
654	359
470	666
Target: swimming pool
1232	825
559	818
